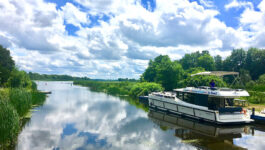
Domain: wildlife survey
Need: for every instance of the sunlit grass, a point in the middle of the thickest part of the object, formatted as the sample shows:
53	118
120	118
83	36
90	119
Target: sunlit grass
9	122
15	105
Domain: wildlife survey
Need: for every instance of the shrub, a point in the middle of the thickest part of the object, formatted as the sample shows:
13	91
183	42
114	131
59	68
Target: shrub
144	88
256	97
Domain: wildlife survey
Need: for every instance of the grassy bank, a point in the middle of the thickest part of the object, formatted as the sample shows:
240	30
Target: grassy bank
133	89
15	104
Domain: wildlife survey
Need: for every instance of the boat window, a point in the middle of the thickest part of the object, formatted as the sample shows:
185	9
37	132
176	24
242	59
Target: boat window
215	103
190	98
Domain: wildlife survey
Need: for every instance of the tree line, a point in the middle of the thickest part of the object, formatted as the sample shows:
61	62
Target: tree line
54	77
171	74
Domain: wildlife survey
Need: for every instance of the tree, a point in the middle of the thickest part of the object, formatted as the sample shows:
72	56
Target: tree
244	76
207	62
6	64
201	80
150	72
218	63
19	79
236	61
162	70
261	79
255	62
190	60
197	59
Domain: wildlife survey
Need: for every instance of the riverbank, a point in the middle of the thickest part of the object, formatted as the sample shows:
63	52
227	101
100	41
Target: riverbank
15	108
121	88
256	99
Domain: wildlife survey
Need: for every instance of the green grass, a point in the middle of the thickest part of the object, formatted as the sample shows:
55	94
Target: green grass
9	124
21	99
15	105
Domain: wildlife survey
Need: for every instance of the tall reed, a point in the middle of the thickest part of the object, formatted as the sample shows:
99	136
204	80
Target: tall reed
21	99
9	123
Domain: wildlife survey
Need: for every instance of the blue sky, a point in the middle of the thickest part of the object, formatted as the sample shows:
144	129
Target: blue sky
116	38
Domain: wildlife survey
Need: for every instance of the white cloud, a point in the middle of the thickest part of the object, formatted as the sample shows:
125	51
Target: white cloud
74	16
238	4
207	3
253	21
36	34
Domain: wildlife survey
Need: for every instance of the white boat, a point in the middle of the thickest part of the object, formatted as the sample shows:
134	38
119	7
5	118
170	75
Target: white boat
204	103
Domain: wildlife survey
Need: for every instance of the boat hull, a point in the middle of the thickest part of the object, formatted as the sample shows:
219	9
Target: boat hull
195	112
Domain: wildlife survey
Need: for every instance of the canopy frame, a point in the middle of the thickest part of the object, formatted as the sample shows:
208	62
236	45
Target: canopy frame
216	73
221	74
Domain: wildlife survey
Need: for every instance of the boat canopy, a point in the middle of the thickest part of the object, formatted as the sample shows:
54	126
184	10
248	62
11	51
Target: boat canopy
216	73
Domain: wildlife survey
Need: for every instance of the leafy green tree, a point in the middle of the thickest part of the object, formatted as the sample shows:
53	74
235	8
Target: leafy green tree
202	80
162	70
190	60
236	61
150	73
261	79
6	64
218	63
19	79
255	62
188	73
245	76
206	61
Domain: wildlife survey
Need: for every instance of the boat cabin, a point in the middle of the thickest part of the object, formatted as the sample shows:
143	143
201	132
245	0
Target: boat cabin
213	99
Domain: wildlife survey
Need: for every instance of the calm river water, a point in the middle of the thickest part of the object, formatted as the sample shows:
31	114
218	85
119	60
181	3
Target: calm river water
75	118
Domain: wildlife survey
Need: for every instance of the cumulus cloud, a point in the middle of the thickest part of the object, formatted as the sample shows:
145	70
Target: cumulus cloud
74	16
36	33
253	21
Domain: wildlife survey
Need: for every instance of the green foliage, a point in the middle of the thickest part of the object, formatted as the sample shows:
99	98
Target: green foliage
38	98
162	70
14	104
201	80
244	76
190	60
122	88
236	61
19	79
197	59
261	79
16	100
218	63
206	61
34	86
53	77
6	64
256	97
144	88
9	123
21	99
255	62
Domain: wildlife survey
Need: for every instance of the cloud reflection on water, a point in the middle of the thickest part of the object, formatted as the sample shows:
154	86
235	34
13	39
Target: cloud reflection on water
75	118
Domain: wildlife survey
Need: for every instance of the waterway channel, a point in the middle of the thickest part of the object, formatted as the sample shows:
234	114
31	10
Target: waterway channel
75	118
